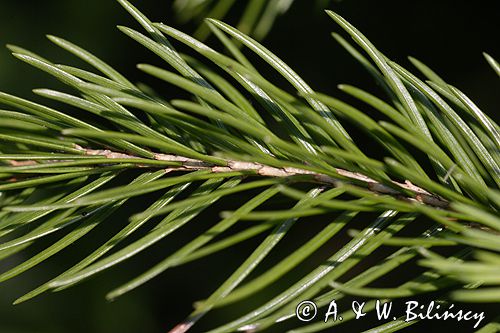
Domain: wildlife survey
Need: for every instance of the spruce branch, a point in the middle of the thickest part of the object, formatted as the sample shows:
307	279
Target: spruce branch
241	133
189	164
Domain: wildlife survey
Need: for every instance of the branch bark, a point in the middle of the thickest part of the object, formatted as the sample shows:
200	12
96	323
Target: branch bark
190	164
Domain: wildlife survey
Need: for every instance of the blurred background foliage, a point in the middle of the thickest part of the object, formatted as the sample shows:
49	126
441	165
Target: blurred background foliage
448	35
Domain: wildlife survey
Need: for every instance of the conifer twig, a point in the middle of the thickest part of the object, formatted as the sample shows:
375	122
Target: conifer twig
190	164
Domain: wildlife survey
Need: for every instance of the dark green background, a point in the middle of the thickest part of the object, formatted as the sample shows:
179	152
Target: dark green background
447	35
